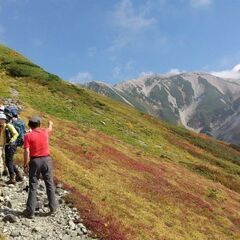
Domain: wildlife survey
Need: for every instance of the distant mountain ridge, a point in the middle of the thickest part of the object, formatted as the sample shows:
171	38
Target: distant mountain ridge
199	101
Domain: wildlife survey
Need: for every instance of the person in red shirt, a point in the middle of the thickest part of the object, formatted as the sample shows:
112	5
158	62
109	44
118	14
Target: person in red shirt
37	161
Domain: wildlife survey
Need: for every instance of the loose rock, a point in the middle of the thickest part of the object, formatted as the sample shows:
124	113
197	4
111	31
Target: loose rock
10	218
63	225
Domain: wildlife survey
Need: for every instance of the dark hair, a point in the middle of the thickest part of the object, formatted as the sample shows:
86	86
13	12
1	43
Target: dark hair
33	125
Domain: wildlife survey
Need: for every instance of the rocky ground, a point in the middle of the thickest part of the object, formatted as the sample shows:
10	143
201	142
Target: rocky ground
65	224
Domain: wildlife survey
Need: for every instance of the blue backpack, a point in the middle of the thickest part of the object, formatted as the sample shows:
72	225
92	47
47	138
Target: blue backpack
20	127
10	112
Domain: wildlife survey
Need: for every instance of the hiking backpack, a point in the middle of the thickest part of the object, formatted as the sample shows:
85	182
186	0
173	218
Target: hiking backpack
10	112
20	127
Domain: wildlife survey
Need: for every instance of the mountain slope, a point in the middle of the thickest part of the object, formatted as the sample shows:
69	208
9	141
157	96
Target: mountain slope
199	101
130	175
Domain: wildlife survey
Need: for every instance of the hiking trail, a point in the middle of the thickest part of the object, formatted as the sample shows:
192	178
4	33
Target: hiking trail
65	224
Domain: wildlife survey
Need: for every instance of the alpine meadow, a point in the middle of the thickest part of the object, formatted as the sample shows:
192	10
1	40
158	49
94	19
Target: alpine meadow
130	175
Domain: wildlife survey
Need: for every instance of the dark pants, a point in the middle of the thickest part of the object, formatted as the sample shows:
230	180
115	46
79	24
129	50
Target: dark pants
43	166
9	154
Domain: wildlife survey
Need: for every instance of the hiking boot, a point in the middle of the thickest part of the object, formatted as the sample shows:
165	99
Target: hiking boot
5	172
19	177
11	181
53	212
28	214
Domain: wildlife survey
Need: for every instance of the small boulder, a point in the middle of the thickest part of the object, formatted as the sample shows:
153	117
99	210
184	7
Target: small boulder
10	218
72	225
15	233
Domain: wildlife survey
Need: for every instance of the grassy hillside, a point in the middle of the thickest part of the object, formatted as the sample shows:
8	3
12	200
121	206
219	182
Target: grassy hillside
130	175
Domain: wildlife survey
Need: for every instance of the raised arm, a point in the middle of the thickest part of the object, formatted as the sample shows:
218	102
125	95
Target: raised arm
50	126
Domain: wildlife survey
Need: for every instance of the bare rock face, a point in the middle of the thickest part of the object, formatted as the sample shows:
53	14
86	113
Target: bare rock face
199	101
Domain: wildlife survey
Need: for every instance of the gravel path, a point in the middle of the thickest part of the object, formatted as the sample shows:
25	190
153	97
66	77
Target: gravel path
65	224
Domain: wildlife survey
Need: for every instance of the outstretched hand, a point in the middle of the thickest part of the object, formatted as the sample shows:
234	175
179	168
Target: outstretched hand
50	125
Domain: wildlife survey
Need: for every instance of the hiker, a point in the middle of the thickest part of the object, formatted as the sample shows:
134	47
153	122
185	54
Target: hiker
37	161
8	138
2	122
3	168
12	117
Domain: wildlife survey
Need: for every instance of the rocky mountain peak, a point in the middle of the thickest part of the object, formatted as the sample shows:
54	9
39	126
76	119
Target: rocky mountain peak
200	101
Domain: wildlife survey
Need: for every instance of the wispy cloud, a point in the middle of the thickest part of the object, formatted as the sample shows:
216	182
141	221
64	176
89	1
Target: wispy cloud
201	3
171	72
130	21
81	77
174	71
130	18
232	73
123	71
146	74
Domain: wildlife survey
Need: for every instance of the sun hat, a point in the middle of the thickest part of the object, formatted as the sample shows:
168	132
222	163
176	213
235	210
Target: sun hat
3	116
35	119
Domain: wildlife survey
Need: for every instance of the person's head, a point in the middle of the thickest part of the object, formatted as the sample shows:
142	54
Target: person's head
3	119
14	113
34	122
8	113
9	116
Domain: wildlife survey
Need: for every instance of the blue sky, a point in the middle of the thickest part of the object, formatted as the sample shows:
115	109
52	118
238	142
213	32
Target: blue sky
115	40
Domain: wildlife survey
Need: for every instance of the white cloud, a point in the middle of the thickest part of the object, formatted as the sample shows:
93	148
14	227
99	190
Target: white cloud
174	71
171	72
120	42
201	3
232	73
146	74
127	17
123	71
81	77
130	22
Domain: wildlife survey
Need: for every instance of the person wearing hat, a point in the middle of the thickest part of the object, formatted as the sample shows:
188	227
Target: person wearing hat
37	161
8	137
3	119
